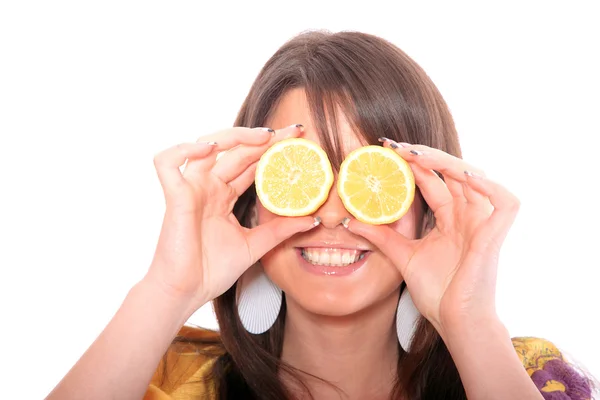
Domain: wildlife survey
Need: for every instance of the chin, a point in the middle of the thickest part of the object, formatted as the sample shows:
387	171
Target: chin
344	284
327	304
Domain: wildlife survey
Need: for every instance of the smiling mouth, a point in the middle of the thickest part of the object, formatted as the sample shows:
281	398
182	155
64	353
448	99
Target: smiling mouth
332	257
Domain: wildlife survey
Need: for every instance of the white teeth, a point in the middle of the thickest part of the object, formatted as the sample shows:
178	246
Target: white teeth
335	258
347	258
331	257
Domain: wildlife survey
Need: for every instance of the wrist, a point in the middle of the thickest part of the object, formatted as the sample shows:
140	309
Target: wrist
486	360
469	331
178	306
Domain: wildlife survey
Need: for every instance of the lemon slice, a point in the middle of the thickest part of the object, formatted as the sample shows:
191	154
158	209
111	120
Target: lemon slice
376	185
293	177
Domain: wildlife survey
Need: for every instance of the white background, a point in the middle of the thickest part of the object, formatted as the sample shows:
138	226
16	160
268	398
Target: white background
90	91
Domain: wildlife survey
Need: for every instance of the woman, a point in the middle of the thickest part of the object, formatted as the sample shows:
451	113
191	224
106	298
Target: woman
344	336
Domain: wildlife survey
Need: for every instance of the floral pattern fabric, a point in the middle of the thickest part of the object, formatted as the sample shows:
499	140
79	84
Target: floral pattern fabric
552	374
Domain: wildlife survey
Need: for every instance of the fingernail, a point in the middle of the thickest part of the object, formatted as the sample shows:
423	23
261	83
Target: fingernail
416	152
383	139
271	131
345	222
317	221
208	143
299	126
394	145
473	175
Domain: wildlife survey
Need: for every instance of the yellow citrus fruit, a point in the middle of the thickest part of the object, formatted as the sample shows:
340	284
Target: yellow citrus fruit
293	177
376	185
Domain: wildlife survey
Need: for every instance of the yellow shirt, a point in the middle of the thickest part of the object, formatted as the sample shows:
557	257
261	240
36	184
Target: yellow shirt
181	374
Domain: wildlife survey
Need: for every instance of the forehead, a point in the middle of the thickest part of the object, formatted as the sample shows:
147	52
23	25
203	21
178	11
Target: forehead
293	108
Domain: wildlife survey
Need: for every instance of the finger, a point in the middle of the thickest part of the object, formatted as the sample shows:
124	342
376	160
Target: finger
413	158
475	197
235	161
455	188
506	206
453	170
232	137
226	140
432	187
244	180
268	235
437	160
392	244
168	162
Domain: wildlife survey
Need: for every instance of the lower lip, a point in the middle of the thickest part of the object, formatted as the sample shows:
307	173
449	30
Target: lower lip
331	271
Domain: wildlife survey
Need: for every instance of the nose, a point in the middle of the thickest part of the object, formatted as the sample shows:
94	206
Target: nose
332	212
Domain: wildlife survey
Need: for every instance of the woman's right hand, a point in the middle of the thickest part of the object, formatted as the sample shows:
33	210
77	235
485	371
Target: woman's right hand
202	249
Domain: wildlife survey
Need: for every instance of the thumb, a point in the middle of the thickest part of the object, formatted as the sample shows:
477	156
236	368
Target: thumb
392	244
264	237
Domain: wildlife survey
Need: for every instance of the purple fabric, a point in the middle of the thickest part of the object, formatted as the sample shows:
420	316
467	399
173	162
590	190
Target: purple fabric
576	386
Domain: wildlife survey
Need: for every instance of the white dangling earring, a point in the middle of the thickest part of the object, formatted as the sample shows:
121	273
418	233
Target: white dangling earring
258	298
407	317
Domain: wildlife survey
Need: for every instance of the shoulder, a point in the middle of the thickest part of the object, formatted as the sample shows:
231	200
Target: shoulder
184	372
550	370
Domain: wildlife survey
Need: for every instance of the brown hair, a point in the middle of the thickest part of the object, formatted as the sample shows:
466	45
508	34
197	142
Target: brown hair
382	92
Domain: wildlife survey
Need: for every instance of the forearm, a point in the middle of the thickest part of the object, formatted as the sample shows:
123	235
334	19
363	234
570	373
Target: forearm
121	361
488	363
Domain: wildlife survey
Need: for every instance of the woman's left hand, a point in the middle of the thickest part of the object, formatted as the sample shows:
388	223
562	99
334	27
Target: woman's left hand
451	271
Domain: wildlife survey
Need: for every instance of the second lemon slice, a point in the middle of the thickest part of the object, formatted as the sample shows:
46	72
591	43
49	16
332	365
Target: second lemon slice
376	185
293	177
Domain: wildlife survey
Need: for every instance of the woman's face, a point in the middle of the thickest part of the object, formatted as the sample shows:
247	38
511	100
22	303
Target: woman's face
296	265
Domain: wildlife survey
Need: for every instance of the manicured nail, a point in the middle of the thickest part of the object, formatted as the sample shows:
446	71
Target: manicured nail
208	143
298	126
345	222
394	145
271	131
383	139
416	152
473	175
316	222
